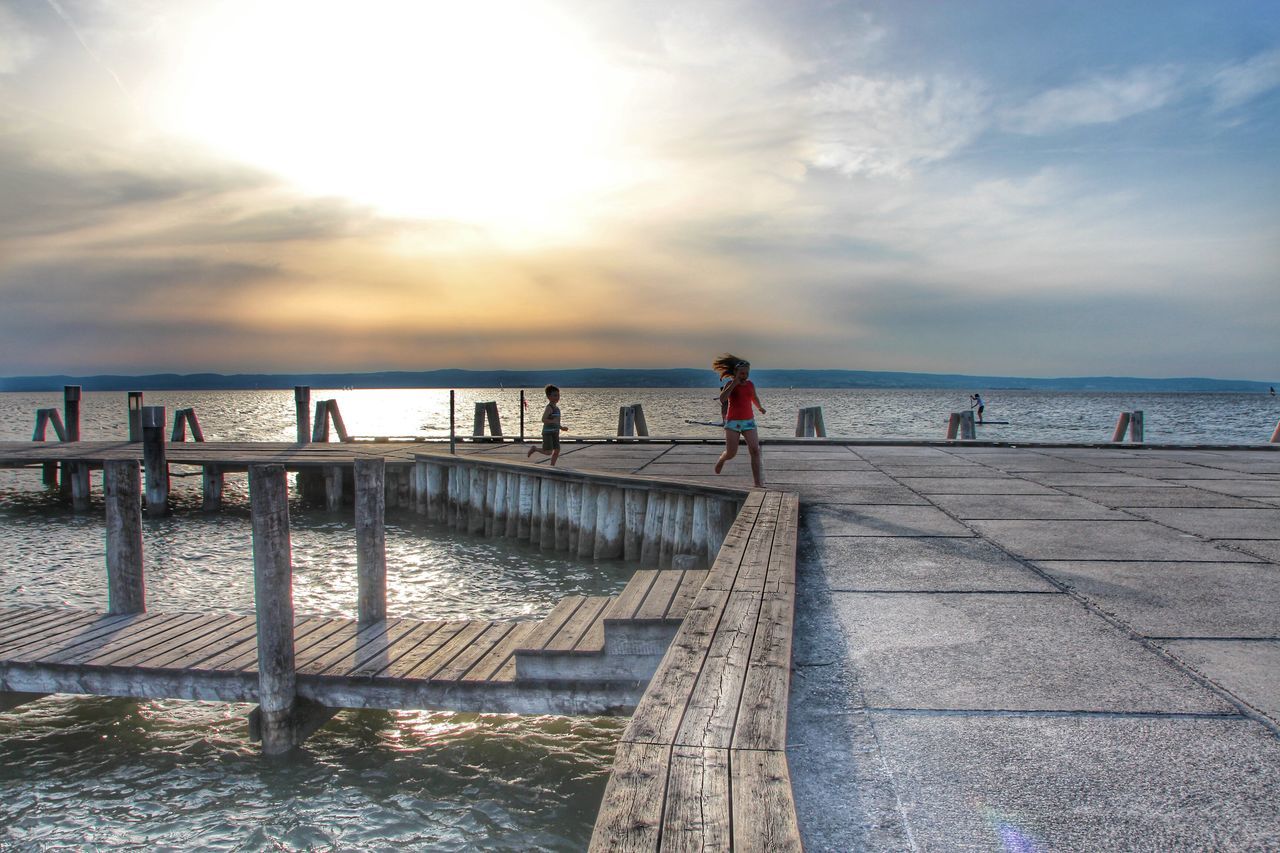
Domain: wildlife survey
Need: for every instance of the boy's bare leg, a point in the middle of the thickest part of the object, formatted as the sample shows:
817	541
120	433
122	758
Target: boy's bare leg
555	454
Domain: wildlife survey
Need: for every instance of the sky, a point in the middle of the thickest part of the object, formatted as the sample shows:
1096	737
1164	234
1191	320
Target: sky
1000	188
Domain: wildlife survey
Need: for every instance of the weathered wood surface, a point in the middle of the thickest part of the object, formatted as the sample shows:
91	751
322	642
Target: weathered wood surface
702	765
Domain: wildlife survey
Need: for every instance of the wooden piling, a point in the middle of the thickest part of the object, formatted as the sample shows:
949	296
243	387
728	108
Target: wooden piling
626	421
587	516
633	501
968	429
1135	426
273	593
642	426
475	503
122	491
333	487
75	475
513	506
547	530
371	539
524	516
495	423
211	488
953	426
610	524
671	522
562	515
331	407
1275	436
302	405
135	416
497	523
713	524
153	456
320	429
71	411
1122	426
651	542
573	509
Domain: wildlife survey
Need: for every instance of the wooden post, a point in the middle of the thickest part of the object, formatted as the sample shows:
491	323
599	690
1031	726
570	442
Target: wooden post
524	514
562	524
273	593
371	539
475	505
711	532
320	430
477	427
819	425
1275	436
548	532
331	406
522	405
671	522
211	488
153	457
71	409
333	487
122	490
642	426
651	543
135	416
1122	426
968	430
1135	426
953	426
302	404
437	496
496	522
626	421
587	515
179	426
573	511
633	524
513	506
610	523
495	424
75	475
197	434
453	436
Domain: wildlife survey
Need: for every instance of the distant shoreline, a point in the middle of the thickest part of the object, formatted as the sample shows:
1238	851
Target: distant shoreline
626	378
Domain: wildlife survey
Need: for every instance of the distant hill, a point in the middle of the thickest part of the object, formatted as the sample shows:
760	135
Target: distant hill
621	378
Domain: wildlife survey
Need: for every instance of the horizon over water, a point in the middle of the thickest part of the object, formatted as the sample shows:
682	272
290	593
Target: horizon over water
113	773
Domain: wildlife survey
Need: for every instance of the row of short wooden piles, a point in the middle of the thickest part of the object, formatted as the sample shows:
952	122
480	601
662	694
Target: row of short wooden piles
654	525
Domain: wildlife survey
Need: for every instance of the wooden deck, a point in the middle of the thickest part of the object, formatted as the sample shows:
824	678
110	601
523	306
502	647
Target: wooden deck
702	765
476	665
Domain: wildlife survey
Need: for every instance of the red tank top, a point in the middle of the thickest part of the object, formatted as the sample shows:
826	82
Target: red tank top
740	402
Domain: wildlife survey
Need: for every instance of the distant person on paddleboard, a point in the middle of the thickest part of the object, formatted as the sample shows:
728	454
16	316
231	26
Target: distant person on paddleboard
739	394
977	404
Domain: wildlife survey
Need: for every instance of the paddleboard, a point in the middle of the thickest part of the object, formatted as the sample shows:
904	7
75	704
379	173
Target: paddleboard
984	423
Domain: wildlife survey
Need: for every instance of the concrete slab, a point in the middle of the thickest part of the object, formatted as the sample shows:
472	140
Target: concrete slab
1253	487
1267	549
1043	507
987	485
1124	496
1024	783
1099	478
998	652
853	520
1181	599
1190	472
1248	668
1098	540
871	563
1220	523
784	477
883	495
960	469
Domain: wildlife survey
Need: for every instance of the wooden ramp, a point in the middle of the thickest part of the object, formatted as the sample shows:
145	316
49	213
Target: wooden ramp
560	664
702	764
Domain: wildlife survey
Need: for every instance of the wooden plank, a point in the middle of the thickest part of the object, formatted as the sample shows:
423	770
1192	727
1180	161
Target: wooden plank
724	570
625	605
712	710
10	616
781	574
762	712
501	654
342	655
399	644
330	633
457	668
763	808
428	646
690	585
655	604
241	645
429	666
195	636
124	653
107	641
630	817
592	640
697	811
48	629
94	632
554	621
751	573
576	626
305	633
232	632
658	714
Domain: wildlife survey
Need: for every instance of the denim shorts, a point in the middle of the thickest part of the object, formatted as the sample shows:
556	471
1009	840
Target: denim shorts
741	426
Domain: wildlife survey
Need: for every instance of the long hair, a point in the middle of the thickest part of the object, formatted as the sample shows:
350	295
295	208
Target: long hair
726	364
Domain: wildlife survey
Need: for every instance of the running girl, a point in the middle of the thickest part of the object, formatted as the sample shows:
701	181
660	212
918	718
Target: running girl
739	424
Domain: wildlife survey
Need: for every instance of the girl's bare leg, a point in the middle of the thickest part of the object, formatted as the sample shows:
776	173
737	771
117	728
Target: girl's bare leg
757	463
730	449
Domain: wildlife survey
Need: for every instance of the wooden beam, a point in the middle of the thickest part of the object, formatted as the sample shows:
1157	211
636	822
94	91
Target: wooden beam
371	541
122	488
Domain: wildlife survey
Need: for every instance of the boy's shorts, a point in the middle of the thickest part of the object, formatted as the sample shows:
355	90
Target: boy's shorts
551	440
741	426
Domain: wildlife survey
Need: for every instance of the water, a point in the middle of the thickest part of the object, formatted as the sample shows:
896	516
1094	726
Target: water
106	773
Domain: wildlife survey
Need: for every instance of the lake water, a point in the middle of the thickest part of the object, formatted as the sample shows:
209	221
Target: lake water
104	773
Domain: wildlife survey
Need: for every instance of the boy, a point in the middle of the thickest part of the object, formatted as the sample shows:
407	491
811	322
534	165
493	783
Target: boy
550	426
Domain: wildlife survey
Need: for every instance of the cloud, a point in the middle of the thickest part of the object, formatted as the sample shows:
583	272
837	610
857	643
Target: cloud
1099	100
1237	84
18	45
887	127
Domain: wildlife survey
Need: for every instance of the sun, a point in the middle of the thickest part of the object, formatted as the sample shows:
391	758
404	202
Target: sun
497	113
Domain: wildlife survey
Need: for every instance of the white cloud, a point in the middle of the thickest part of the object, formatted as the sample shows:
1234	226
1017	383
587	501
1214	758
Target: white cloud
18	45
886	127
1100	100
1237	84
